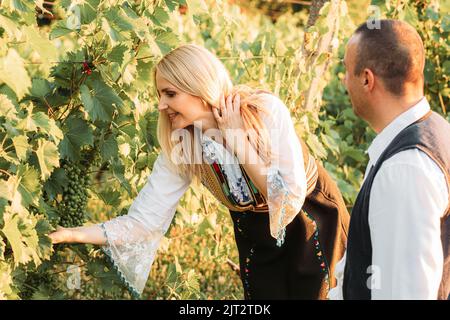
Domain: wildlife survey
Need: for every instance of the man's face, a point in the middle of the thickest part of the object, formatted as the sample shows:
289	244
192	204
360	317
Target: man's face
354	84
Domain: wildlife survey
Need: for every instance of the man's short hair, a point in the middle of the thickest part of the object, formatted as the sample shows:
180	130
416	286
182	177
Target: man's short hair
394	52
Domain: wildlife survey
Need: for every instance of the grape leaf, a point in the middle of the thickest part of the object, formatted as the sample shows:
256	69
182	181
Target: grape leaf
118	170
29	186
40	88
41	45
111	198
109	148
59	29
144	75
48	157
100	103
44	249
22	189
88	10
19	5
22	237
197	6
10	27
14	74
166	40
48	126
77	134
116	18
159	16
117	54
7	108
6	280
21	145
173	4
55	183
114	35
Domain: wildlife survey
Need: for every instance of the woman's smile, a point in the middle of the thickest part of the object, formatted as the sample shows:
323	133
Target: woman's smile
173	115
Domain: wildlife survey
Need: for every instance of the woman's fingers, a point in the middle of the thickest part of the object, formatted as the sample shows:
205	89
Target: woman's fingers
216	115
230	103
237	103
223	106
58	236
55	237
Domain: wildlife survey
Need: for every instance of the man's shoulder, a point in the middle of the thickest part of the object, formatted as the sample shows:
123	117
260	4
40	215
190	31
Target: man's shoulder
414	161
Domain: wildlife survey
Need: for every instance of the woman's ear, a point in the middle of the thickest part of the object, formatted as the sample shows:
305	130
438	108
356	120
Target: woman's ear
206	105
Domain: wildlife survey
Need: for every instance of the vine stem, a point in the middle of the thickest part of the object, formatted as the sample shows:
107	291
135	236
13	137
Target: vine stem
57	272
5	172
3	141
233	266
28	286
442	103
183	235
49	108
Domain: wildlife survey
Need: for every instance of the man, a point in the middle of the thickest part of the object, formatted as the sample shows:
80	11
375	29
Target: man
398	242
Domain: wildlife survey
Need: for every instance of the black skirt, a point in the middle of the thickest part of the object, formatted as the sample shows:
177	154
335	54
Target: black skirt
303	266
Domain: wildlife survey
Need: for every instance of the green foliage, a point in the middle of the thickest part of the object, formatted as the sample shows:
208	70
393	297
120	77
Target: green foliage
67	93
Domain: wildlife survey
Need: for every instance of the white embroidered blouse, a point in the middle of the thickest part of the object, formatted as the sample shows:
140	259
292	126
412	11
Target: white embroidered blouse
133	239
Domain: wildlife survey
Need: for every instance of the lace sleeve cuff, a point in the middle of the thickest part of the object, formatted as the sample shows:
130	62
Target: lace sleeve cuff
131	251
283	204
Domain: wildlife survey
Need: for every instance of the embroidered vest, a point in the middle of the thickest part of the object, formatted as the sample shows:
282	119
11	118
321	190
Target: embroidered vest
213	180
431	134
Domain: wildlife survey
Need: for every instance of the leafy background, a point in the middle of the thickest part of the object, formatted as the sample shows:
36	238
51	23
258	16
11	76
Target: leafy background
81	91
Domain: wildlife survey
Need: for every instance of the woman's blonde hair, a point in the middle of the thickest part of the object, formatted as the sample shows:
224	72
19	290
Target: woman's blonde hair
196	71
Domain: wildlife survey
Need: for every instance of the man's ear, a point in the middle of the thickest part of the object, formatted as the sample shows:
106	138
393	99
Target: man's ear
368	80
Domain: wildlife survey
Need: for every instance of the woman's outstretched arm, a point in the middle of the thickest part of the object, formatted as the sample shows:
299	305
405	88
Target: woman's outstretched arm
89	234
131	241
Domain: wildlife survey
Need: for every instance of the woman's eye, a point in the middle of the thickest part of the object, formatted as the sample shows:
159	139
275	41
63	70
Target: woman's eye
170	94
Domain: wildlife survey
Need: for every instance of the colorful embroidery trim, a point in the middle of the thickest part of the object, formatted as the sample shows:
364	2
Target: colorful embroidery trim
319	252
247	271
220	175
259	198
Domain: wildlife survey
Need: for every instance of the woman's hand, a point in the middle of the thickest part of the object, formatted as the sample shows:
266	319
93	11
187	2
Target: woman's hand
86	234
229	121
62	235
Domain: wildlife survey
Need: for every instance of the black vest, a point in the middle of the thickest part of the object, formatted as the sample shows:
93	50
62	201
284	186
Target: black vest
431	134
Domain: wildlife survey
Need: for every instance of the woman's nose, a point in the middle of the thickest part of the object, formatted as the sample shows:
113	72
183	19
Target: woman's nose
162	106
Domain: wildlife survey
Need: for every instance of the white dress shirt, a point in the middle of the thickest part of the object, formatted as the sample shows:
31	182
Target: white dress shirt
408	198
133	239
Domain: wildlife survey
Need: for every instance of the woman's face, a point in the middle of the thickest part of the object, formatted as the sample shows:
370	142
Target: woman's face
182	108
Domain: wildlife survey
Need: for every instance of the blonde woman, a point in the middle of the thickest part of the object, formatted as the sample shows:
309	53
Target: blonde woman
290	221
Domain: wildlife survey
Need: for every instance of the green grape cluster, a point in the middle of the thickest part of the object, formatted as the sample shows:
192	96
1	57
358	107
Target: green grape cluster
72	208
97	161
54	220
